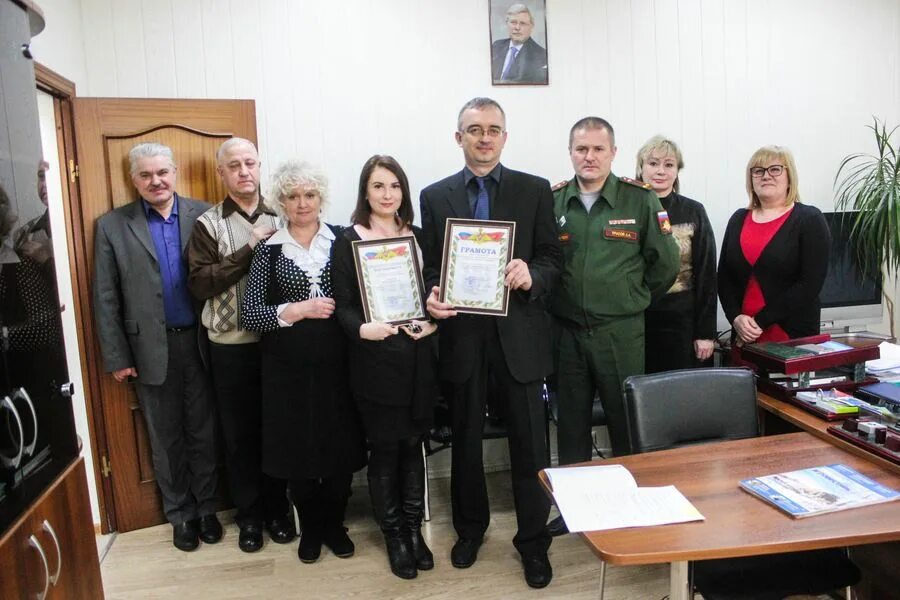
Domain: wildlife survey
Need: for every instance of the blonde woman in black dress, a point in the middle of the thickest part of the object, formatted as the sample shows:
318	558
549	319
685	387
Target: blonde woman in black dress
311	433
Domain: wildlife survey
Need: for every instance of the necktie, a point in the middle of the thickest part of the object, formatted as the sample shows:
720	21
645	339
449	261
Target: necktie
510	59
482	203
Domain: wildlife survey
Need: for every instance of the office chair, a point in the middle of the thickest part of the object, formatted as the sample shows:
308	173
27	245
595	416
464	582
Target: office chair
440	436
598	416
698	406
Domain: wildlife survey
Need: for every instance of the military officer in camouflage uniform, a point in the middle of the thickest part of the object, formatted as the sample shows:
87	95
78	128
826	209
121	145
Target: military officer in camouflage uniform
619	253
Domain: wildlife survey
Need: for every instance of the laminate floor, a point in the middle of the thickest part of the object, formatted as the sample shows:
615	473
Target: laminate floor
144	564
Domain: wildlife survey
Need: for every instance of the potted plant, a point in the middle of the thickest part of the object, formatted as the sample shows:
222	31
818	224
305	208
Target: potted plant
869	184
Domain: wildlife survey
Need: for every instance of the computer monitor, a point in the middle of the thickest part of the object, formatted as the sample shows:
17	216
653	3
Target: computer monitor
851	296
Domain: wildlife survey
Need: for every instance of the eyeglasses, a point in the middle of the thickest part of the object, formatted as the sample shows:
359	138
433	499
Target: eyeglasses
478	131
773	170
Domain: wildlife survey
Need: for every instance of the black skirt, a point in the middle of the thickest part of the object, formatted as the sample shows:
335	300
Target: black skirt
311	427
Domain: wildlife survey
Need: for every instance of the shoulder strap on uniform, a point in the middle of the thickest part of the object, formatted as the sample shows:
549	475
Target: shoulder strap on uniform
635	182
560	185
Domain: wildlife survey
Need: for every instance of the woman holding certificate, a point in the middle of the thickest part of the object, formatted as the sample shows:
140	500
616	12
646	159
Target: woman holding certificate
311	433
391	367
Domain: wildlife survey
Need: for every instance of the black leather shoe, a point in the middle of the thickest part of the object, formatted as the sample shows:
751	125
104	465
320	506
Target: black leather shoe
339	542
310	547
464	553
557	527
251	537
210	529
282	530
538	571
185	536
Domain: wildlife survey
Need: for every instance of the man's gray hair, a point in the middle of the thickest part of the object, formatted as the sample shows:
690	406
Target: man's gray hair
289	176
148	150
519	8
231	143
478	104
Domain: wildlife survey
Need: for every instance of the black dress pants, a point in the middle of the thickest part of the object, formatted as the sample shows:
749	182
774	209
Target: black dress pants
236	375
181	424
522	410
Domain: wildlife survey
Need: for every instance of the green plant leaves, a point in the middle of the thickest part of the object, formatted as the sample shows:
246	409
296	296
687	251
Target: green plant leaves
870	184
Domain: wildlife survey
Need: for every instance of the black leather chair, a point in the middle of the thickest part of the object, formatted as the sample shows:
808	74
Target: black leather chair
598	416
440	437
697	406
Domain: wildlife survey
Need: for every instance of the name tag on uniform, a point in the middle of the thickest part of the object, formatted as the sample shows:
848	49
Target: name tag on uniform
612	233
622	222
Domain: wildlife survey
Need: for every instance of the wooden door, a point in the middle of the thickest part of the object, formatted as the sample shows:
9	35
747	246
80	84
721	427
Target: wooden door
105	130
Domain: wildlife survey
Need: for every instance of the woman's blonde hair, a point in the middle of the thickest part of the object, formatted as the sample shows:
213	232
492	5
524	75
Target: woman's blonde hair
663	146
777	155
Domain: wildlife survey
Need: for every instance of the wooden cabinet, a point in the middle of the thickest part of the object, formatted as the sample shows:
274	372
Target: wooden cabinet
52	545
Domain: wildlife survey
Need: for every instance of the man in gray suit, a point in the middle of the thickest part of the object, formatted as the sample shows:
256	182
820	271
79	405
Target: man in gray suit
147	326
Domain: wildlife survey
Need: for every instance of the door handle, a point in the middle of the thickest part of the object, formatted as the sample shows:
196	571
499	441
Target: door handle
33	541
21	394
13	461
49	529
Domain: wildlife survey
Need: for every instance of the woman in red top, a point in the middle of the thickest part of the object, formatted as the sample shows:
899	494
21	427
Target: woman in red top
774	255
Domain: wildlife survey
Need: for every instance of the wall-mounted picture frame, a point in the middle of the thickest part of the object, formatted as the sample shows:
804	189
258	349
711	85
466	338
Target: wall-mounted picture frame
519	42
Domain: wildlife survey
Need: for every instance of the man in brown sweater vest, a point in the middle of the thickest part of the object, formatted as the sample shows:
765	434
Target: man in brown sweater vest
219	255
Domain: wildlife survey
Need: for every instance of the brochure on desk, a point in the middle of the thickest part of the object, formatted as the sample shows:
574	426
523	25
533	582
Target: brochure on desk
601	497
818	490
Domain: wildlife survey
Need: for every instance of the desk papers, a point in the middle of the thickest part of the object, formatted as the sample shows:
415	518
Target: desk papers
818	490
607	497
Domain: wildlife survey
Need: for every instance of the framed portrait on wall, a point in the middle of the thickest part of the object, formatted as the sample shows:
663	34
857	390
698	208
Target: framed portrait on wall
519	42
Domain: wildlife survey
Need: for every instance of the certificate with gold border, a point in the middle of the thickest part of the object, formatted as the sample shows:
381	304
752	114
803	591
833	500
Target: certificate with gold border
390	280
473	269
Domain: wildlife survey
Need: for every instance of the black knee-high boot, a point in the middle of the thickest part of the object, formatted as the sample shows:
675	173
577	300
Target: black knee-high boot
412	471
384	490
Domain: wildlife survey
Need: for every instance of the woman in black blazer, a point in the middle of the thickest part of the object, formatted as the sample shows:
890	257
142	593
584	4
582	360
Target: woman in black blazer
774	255
391	372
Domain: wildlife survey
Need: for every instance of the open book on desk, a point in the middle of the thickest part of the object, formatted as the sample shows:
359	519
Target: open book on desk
818	490
607	497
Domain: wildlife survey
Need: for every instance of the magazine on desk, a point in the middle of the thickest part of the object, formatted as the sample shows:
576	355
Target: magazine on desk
818	490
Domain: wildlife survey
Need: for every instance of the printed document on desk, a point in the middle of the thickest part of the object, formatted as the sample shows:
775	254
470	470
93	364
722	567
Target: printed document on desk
607	497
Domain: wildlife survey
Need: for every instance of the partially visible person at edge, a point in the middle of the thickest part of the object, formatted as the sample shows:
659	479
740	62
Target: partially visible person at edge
680	327
391	371
219	253
311	434
774	256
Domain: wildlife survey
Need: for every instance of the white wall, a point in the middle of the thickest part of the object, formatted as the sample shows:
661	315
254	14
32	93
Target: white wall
335	82
61	45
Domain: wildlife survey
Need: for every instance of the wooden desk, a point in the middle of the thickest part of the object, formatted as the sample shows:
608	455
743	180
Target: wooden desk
809	422
738	524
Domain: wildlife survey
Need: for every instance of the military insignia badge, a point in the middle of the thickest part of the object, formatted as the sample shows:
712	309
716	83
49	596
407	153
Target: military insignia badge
564	238
560	185
612	233
665	227
562	221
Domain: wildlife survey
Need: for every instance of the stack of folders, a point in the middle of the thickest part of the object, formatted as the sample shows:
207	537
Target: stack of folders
818	490
607	497
887	367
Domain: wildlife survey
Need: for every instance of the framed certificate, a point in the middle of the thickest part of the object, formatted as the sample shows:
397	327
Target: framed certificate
473	267
390	280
